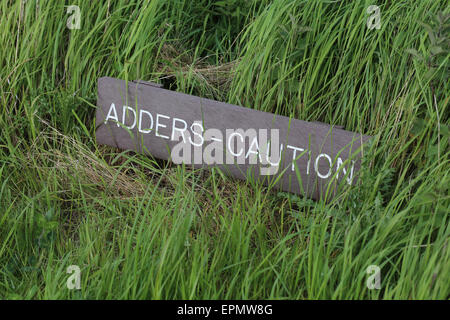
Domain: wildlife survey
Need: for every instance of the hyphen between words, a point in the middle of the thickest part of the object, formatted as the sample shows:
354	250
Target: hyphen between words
192	149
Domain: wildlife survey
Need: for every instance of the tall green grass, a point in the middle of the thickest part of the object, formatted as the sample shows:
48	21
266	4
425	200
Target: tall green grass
145	229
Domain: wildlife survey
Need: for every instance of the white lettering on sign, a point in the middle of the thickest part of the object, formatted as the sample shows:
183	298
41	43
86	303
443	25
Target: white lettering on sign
114	116
160	125
150	127
210	147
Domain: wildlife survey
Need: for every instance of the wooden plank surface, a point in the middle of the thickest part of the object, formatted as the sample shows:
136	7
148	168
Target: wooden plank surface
143	117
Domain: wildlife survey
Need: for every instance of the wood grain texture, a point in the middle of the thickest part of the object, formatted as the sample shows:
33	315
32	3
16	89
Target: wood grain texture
320	142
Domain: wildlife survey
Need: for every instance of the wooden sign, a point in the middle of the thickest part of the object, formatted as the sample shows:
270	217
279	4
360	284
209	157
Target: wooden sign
294	155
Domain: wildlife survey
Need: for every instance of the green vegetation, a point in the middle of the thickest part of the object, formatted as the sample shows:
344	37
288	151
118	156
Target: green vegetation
142	228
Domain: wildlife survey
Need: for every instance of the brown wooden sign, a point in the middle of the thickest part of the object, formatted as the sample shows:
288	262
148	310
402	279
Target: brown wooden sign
294	155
